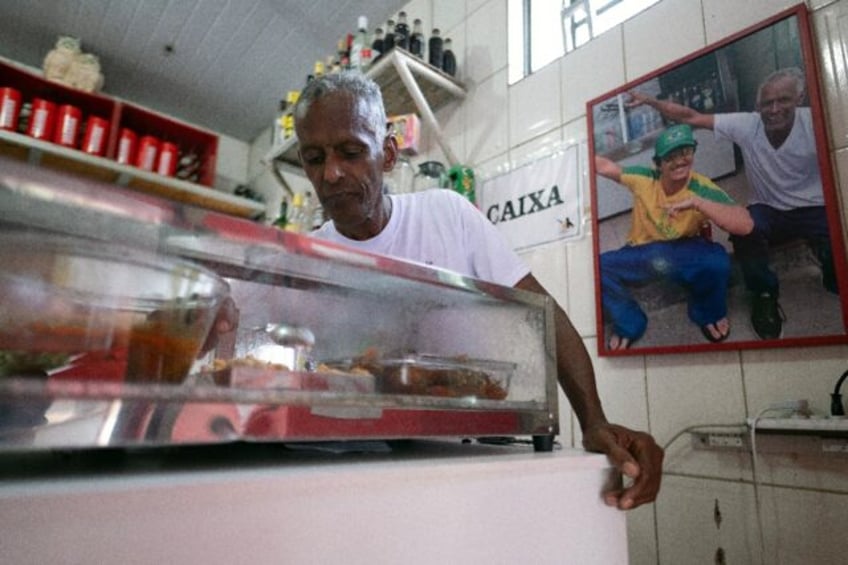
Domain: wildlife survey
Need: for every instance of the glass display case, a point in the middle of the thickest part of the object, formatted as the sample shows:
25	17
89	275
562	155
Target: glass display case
330	343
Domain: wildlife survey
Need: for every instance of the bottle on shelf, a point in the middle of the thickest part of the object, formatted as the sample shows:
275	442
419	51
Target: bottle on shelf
402	32
377	46
389	37
434	49
416	40
333	65
277	130
344	51
359	44
297	213
282	219
448	58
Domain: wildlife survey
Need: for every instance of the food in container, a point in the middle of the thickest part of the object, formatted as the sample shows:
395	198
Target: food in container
148	152
42	119
167	161
67	125
126	147
64	297
433	375
96	132
10	108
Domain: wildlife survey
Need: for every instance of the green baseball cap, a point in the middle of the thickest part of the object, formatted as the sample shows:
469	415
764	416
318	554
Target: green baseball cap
679	135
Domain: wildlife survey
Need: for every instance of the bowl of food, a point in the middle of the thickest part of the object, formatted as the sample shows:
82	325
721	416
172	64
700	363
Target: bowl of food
66	299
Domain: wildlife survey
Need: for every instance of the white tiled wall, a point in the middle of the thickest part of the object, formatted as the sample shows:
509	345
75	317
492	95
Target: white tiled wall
502	126
805	508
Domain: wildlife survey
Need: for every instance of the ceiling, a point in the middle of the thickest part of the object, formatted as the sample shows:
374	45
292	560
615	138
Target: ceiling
220	64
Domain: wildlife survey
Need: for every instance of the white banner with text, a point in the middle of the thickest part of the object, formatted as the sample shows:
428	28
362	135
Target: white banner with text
537	203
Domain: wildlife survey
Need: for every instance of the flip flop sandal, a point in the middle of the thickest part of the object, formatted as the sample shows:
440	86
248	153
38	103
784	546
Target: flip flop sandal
710	337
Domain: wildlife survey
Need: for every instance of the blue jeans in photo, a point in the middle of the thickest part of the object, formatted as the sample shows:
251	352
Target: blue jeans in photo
702	267
772	227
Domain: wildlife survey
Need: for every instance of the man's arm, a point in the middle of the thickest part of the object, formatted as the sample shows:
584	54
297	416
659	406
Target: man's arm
732	218
633	453
607	168
673	110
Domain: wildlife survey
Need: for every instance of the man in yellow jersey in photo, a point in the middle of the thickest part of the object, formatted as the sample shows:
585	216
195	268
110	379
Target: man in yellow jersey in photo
671	205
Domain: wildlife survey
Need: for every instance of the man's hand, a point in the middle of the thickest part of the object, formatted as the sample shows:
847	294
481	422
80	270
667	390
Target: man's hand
676	207
637	99
636	455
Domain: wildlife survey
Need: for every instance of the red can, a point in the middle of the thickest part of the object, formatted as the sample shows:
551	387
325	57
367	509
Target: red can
168	155
126	146
42	119
148	150
68	120
96	131
10	108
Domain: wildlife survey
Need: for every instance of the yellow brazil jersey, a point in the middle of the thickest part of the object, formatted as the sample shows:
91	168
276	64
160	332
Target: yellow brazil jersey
650	220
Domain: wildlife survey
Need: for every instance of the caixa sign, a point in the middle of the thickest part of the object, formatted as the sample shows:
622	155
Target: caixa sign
537	203
529	203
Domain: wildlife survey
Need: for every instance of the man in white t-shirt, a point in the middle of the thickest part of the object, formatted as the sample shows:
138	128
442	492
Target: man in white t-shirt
778	147
345	149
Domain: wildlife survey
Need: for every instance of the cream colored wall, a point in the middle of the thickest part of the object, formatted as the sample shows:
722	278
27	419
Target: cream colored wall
805	500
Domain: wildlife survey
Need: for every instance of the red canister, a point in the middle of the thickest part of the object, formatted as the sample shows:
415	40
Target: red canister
167	164
148	150
96	131
10	108
67	125
126	146
41	119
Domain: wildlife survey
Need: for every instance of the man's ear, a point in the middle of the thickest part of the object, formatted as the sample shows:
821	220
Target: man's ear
390	153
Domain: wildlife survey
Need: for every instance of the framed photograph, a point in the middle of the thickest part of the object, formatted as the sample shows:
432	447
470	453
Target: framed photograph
714	210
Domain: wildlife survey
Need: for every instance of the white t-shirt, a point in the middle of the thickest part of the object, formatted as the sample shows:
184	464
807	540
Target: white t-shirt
785	178
441	228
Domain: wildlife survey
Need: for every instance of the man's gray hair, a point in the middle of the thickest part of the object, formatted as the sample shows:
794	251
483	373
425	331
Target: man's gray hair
356	84
793	73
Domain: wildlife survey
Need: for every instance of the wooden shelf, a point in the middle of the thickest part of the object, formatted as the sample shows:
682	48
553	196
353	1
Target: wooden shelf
409	85
50	155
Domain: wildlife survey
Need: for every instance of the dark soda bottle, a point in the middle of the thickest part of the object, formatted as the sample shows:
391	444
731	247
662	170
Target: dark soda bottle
435	49
377	46
402	32
389	38
448	58
416	40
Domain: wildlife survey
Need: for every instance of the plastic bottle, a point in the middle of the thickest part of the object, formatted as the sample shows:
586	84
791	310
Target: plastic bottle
448	58
416	40
277	129
297	213
282	219
344	51
402	176
402	32
359	44
435	49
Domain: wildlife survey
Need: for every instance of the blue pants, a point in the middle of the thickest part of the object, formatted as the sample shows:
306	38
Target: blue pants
773	226
700	266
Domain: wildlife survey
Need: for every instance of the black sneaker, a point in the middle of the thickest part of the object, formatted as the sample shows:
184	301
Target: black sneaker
767	316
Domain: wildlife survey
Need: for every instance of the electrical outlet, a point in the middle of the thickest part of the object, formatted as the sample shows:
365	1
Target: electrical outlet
719	440
834	445
725	440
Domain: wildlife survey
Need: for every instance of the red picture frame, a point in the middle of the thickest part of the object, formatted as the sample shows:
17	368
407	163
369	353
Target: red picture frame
724	77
